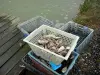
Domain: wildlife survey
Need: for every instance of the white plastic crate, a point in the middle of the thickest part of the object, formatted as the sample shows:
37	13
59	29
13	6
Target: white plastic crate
70	39
83	32
30	25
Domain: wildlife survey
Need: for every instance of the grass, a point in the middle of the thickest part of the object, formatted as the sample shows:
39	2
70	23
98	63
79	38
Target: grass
85	6
89	14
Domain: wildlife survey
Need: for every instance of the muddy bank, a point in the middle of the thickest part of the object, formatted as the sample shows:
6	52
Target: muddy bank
89	61
89	14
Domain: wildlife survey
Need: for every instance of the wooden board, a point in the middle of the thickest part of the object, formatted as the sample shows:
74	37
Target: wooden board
13	61
10	52
7	31
16	70
8	37
6	24
4	20
10	28
9	44
3	15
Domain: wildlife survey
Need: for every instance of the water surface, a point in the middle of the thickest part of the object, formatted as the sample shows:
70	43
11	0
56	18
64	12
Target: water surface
59	10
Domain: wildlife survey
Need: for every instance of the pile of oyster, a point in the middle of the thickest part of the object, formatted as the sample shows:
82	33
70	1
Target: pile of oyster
54	44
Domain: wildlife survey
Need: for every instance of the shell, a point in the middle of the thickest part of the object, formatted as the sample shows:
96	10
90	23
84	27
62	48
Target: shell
63	53
50	44
53	48
61	49
64	69
54	44
43	41
72	57
68	48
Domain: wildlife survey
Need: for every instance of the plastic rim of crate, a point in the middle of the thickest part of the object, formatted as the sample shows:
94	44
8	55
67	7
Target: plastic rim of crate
53	65
69	68
29	53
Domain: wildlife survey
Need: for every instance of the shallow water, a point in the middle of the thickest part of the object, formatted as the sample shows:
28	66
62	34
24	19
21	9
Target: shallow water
59	10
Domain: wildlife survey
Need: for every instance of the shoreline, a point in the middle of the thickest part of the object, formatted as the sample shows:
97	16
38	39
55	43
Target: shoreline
89	14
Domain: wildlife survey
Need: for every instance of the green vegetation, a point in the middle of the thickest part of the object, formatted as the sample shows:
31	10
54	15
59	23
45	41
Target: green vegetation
89	13
85	6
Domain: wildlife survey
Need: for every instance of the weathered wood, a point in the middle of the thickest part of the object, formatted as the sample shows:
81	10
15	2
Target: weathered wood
8	37
13	61
2	16
5	20
10	50
10	28
7	31
2	19
10	43
5	57
6	25
16	70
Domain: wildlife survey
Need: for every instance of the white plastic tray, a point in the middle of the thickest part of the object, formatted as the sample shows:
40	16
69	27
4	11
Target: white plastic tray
70	40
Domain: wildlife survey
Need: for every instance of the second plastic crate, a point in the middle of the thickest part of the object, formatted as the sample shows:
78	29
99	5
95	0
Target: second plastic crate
83	32
30	25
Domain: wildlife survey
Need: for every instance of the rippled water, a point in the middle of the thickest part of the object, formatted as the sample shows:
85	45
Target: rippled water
59	10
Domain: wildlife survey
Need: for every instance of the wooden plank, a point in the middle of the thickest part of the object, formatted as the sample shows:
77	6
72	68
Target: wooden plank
3	16
16	70
13	61
10	43
5	57
11	28
2	19
8	37
7	31
5	20
6	25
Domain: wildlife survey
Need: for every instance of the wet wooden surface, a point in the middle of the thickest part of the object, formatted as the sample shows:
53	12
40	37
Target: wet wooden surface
12	49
